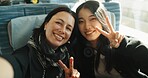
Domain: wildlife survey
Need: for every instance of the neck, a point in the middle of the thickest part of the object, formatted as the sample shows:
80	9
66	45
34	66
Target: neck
94	43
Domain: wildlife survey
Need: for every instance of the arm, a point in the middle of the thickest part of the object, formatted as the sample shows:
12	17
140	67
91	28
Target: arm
140	56
6	69
135	50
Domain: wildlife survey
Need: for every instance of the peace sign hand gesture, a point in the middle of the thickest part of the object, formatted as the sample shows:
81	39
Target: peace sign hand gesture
114	37
69	72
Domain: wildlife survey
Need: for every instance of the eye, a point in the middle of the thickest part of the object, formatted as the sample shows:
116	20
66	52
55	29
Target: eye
81	21
93	19
59	23
69	28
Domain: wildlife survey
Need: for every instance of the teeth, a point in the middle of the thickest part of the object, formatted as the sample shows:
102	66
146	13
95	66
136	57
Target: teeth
58	37
88	32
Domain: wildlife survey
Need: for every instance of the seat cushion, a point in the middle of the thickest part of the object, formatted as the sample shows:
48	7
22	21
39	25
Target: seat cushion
21	28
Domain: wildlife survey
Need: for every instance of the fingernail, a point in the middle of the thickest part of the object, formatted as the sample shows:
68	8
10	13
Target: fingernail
71	60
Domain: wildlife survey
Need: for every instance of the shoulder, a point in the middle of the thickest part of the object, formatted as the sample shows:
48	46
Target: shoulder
131	42
130	45
21	53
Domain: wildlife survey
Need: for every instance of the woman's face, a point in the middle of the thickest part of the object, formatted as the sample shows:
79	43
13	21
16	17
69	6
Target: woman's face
87	24
59	29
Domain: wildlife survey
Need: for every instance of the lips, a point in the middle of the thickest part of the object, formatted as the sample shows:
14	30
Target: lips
58	37
89	32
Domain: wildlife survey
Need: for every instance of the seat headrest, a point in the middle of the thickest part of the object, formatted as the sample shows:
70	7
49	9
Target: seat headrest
20	29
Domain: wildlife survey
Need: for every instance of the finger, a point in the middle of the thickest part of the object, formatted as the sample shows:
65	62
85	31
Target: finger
76	74
112	44
62	65
117	35
71	64
102	32
120	39
109	25
116	45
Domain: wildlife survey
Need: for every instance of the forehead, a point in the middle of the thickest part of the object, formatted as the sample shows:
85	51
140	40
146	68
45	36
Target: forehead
85	12
65	16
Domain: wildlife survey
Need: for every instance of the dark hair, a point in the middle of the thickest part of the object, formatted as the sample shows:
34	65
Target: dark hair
92	6
103	43
37	31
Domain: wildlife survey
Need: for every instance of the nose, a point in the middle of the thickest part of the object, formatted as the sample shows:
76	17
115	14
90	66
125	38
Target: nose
87	25
62	29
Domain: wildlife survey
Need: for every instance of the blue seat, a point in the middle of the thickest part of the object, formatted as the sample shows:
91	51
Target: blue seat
20	29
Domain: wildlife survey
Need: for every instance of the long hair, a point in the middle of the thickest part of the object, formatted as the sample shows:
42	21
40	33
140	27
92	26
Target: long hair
93	7
103	42
37	31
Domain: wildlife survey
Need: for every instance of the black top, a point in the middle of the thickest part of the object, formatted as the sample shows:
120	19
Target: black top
26	64
130	57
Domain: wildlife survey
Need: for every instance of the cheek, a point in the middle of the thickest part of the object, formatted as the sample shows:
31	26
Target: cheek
81	28
48	32
98	24
68	34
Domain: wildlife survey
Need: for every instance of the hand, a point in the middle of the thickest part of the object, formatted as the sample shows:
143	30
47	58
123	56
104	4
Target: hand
114	37
69	72
6	69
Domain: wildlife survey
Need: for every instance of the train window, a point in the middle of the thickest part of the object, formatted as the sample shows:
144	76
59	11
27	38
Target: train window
134	18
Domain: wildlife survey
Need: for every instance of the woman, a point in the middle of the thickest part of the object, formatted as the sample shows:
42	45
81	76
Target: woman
47	53
101	52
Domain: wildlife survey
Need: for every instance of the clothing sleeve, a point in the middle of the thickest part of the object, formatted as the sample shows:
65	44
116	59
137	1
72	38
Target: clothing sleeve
140	56
137	51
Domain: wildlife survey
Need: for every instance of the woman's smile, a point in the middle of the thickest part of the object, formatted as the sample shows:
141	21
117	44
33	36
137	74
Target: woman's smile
91	32
58	37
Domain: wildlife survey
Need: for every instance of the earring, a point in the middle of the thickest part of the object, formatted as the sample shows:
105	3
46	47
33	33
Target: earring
68	42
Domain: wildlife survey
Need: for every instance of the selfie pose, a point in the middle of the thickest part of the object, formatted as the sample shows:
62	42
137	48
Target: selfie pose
47	53
102	52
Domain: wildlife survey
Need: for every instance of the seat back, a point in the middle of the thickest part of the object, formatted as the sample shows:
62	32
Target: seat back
115	8
20	29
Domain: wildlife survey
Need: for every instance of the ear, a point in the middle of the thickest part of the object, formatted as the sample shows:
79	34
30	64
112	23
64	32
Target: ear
45	27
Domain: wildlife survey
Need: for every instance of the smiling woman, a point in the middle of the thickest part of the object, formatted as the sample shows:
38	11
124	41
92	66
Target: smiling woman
102	52
59	29
47	53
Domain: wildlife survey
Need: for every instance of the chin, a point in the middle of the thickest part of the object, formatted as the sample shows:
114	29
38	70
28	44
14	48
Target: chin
91	39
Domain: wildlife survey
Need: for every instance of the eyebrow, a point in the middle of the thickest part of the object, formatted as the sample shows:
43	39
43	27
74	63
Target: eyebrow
89	16
64	22
60	19
92	15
